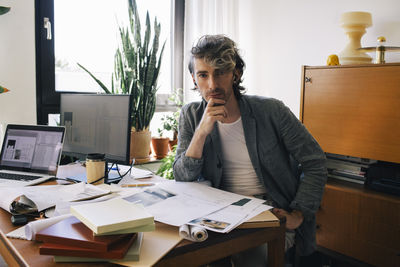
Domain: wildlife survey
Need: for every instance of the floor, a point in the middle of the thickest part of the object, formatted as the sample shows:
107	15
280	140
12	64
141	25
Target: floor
319	259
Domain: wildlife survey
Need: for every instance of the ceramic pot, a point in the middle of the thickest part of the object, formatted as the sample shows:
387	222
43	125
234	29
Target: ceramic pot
140	146
160	146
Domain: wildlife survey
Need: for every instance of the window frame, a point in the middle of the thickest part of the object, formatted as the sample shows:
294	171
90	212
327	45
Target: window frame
48	99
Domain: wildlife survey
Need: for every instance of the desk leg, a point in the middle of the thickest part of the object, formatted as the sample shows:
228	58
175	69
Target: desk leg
276	250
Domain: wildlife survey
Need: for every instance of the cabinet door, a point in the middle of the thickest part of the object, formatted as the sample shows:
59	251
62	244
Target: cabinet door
361	224
354	111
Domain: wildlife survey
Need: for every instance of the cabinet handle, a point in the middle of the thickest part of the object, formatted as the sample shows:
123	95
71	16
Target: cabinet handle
307	79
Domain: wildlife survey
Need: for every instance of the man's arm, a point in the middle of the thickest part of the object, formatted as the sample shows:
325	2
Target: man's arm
191	138
212	113
305	149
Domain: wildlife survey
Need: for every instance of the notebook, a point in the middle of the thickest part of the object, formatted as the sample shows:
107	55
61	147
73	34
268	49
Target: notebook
30	154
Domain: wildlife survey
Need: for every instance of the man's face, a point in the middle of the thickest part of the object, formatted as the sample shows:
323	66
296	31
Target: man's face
211	82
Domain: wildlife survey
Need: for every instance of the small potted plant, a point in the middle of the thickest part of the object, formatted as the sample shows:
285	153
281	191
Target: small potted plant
160	144
170	122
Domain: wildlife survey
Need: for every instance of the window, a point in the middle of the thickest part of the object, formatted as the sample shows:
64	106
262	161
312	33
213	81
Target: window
86	32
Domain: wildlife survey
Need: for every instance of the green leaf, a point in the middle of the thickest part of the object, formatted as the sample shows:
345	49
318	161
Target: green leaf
4	10
97	80
137	66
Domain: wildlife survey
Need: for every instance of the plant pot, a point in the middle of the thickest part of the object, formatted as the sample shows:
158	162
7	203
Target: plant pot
174	141
171	143
140	146
160	146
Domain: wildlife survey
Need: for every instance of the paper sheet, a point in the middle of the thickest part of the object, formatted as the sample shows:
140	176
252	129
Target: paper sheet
178	203
29	230
47	196
175	206
228	218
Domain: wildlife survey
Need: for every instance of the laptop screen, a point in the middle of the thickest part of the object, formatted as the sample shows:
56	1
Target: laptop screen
32	148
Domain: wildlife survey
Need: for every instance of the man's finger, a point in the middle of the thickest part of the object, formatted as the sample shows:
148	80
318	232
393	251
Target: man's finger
213	102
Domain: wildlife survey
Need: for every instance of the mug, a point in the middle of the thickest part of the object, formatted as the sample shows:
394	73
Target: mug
95	168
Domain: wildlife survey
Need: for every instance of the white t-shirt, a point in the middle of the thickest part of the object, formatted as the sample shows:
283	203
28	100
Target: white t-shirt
238	175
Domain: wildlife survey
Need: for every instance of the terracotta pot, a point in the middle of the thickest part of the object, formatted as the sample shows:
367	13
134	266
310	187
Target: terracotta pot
172	143
160	146
140	146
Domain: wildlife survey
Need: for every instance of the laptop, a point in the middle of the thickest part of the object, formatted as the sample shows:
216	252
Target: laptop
30	154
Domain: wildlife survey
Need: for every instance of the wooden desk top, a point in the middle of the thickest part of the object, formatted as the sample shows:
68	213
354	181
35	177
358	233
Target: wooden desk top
26	253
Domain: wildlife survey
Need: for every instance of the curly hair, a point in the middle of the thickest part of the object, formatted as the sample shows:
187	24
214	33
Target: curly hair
221	53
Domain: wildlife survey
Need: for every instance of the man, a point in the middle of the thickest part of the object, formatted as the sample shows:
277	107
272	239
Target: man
246	144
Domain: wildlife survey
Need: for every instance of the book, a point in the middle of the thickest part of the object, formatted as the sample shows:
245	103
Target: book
72	232
352	180
133	254
144	228
112	215
115	251
264	219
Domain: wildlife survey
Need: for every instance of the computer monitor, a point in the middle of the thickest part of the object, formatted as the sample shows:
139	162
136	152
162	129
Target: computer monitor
97	123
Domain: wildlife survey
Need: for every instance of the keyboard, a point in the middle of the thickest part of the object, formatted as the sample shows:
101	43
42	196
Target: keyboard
17	176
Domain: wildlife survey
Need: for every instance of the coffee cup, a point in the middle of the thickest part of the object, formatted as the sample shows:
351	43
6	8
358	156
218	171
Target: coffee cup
95	168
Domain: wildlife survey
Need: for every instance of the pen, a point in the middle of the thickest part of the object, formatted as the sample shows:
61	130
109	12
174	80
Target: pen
136	185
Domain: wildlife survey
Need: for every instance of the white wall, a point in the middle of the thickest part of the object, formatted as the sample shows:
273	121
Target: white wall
17	63
278	37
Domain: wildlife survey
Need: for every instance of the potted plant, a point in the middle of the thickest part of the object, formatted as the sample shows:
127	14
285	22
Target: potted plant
136	68
170	122
160	144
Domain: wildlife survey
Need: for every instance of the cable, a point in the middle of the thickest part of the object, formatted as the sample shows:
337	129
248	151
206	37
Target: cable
120	175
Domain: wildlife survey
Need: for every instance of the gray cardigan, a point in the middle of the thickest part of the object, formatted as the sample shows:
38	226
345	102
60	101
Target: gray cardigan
273	136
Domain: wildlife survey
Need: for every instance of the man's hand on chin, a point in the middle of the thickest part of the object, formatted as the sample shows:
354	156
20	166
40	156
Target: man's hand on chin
293	219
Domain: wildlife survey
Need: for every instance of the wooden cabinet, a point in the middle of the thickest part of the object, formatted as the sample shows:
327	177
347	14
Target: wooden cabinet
360	223
355	111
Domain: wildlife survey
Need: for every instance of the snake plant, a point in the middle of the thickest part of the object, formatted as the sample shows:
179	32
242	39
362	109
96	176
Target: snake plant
4	10
136	67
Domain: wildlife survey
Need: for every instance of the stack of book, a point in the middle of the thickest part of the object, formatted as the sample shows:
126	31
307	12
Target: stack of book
348	168
100	231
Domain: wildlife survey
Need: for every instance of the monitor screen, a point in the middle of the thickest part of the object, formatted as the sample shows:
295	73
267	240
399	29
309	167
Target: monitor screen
97	123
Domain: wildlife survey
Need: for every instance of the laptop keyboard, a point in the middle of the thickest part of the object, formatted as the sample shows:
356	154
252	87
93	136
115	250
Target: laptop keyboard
18	177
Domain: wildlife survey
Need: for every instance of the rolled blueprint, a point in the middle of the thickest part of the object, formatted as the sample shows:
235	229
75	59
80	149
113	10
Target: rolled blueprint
198	233
193	233
35	226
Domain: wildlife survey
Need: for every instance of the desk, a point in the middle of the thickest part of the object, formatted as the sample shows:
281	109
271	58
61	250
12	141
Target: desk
26	253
